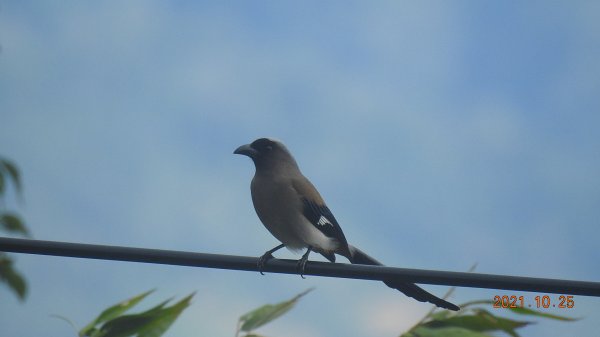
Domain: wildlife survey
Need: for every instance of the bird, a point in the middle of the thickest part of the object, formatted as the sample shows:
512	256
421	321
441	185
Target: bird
293	211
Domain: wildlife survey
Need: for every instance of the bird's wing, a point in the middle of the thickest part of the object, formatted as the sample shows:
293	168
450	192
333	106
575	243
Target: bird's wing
315	210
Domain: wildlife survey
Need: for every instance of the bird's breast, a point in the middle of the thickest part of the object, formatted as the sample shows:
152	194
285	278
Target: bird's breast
279	207
276	206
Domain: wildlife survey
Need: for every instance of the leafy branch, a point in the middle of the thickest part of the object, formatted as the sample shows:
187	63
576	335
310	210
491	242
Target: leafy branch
258	317
473	320
11	222
114	322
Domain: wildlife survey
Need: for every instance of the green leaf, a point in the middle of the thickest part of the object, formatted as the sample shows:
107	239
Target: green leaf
14	279
422	331
123	326
267	313
13	172
165	318
158	306
507	325
12	223
480	321
113	312
151	323
527	311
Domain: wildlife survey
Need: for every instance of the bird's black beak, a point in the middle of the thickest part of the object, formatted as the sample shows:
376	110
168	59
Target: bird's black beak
246	150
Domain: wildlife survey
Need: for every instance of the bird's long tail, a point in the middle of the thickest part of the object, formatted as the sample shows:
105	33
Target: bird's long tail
357	256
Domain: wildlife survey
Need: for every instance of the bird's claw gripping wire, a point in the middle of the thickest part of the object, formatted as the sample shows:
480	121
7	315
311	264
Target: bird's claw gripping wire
301	266
262	261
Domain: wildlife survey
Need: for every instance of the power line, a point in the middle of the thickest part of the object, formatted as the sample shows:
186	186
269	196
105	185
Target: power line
232	262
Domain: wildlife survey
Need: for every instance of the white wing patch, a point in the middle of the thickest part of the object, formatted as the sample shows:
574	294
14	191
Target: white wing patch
323	221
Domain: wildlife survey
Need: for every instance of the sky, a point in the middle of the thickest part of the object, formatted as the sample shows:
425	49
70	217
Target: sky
441	134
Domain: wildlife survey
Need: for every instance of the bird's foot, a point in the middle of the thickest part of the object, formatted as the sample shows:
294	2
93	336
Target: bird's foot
266	257
301	266
263	260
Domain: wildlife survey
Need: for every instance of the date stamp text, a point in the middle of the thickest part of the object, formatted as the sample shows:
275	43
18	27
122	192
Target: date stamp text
539	302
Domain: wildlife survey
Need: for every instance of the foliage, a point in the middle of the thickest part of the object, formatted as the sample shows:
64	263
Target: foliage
11	222
113	322
258	317
473	320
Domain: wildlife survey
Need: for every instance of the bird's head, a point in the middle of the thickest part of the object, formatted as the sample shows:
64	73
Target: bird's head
267	153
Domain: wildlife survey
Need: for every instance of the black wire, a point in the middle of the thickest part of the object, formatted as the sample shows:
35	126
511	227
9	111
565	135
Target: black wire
180	258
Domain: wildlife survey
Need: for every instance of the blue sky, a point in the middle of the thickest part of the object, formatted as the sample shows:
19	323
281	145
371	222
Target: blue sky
440	133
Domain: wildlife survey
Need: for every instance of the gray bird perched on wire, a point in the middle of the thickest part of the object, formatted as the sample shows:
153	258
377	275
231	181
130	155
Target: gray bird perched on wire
293	211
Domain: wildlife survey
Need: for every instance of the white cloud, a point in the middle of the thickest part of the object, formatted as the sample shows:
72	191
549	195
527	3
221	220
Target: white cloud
389	315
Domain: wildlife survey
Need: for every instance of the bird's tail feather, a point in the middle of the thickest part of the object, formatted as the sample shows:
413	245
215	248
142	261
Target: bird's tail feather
357	256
